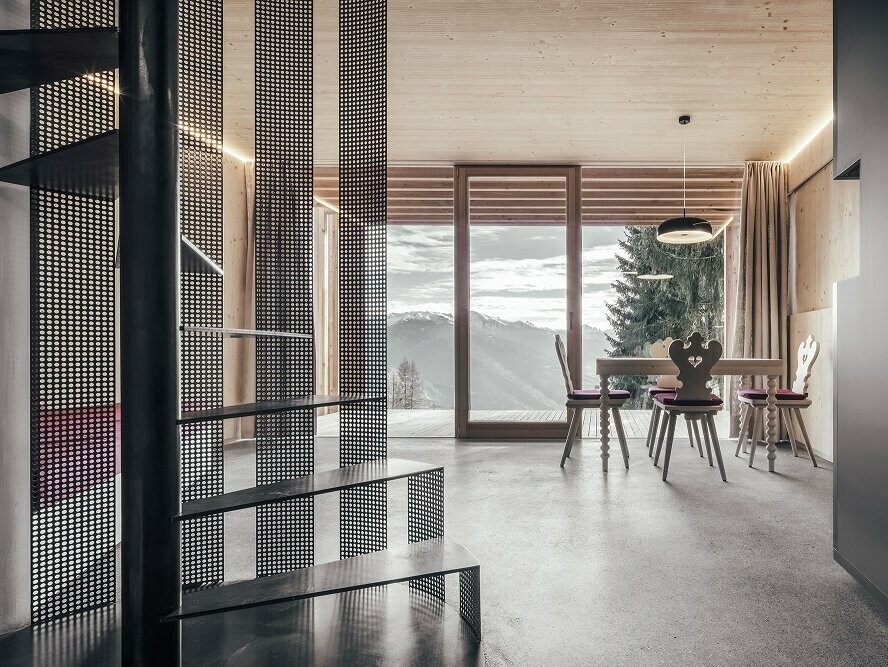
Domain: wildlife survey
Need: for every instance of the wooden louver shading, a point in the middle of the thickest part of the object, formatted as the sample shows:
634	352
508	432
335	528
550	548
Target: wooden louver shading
423	195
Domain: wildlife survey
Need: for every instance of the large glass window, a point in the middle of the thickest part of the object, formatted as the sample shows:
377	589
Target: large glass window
420	330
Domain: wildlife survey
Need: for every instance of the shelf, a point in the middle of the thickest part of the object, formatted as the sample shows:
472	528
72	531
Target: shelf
30	58
192	260
245	333
328	481
89	167
415	561
269	407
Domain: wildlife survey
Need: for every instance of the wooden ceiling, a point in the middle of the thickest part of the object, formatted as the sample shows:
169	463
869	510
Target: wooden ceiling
584	82
610	195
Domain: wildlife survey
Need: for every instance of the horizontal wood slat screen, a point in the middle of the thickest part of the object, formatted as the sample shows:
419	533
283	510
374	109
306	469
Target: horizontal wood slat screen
610	195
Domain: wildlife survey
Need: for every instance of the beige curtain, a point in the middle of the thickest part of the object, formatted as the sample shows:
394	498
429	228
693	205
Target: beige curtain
763	265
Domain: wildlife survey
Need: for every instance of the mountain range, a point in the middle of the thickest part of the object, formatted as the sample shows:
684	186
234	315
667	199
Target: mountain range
513	365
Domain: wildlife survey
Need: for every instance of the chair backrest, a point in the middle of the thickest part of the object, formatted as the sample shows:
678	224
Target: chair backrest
694	361
807	355
660	350
562	359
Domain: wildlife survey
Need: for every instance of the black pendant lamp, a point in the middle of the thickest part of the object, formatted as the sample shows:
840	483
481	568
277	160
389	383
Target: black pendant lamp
686	229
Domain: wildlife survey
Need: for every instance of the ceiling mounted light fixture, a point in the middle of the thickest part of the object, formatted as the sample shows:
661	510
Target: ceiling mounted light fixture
686	229
655	276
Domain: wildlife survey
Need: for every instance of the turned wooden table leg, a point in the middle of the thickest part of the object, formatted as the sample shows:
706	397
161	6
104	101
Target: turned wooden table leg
772	421
605	423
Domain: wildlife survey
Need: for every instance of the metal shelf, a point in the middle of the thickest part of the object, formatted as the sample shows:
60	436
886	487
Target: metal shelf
328	481
193	260
268	407
90	167
244	333
415	561
30	58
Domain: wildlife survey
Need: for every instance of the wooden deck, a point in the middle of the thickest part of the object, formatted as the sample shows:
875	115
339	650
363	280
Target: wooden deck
439	423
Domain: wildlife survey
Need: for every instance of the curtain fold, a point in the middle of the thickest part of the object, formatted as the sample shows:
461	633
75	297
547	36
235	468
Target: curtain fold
763	266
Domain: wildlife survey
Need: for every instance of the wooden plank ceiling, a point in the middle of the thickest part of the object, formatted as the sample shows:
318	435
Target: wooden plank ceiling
610	195
549	81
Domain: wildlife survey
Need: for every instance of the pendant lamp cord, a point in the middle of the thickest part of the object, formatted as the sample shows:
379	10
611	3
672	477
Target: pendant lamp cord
684	177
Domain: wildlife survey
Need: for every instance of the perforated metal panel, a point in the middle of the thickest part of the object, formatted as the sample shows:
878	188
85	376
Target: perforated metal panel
200	218
470	599
284	442
425	520
362	275
72	348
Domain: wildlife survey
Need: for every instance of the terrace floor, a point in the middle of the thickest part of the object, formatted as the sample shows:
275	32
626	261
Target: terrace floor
439	423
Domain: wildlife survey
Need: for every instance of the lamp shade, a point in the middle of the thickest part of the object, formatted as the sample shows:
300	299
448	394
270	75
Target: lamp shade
684	230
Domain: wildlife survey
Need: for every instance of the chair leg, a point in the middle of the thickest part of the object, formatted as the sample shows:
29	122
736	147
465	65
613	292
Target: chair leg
669	438
664	423
718	454
658	413
744	424
753	435
618	424
694	423
708	445
571	433
786	417
798	414
651	428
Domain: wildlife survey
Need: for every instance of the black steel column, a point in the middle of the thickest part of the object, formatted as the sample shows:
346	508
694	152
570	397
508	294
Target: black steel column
149	242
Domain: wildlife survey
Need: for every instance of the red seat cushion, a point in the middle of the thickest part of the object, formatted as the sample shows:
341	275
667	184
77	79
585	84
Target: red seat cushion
595	394
653	391
762	394
670	399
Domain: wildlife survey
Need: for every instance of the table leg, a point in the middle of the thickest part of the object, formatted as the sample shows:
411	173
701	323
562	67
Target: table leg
772	421
605	422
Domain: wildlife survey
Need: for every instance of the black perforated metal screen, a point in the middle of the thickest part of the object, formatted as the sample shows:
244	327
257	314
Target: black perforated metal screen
285	441
362	201
200	201
72	347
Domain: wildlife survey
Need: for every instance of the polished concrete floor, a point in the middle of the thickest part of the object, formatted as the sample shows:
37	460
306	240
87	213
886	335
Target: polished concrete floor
578	568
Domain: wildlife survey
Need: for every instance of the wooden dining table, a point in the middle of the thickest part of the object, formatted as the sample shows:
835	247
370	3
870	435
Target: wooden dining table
769	368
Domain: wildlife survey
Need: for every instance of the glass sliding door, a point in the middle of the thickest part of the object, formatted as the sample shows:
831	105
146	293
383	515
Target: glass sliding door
517	250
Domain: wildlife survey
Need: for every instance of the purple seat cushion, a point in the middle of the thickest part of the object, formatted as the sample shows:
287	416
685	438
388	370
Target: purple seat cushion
670	399
595	394
653	391
762	394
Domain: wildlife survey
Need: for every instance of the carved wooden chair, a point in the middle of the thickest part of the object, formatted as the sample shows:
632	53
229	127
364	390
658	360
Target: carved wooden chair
584	399
693	399
790	403
666	384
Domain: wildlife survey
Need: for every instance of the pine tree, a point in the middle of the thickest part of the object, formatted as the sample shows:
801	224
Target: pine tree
646	311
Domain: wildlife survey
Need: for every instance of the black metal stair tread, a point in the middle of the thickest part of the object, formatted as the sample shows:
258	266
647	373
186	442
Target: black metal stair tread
89	167
245	333
30	58
280	405
414	561
193	260
326	481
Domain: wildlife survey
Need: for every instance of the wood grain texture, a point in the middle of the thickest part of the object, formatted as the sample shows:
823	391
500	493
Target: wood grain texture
546	80
824	249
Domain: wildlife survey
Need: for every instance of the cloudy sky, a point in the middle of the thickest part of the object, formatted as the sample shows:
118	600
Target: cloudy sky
517	273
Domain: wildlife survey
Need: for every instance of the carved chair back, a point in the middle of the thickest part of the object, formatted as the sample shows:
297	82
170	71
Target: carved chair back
807	355
695	361
660	350
562	359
